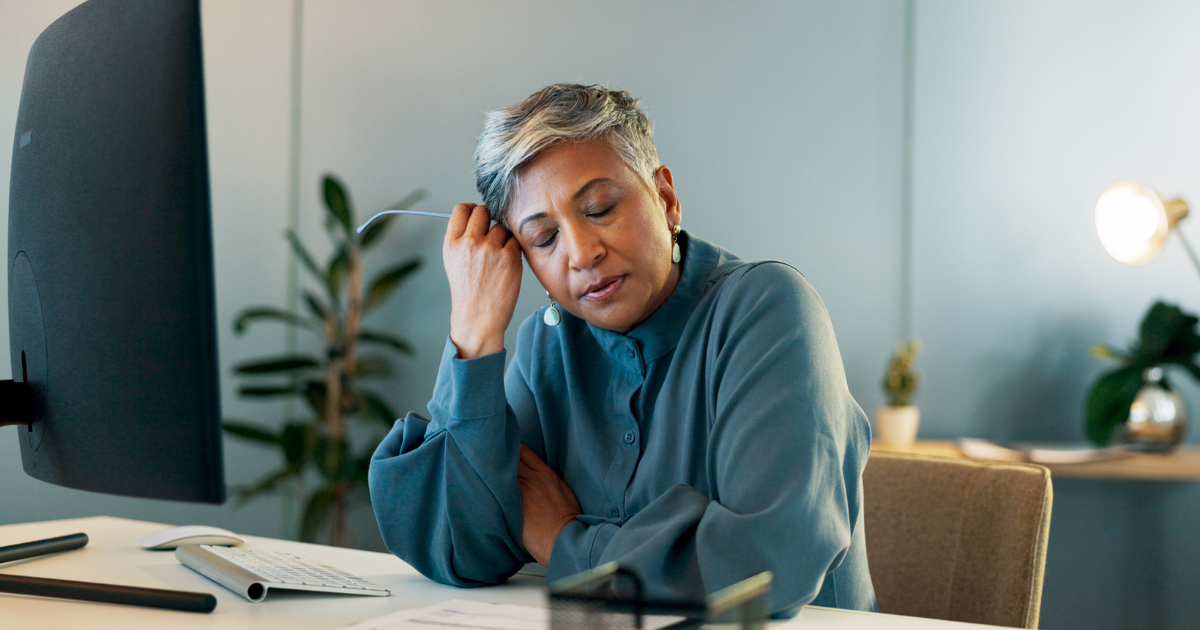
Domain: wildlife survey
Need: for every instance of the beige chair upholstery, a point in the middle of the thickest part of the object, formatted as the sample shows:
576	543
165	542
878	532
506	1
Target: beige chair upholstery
957	539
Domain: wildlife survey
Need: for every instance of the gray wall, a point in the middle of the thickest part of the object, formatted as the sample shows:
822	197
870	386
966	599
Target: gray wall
1024	112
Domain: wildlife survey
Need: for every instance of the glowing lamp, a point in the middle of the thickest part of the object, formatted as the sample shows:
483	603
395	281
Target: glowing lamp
1133	222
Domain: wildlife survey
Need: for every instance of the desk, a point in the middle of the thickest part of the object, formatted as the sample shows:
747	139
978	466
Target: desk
113	556
1181	465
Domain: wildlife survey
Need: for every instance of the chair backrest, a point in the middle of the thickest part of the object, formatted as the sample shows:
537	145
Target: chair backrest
957	539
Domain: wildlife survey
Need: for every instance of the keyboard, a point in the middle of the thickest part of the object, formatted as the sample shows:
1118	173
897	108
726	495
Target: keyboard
250	572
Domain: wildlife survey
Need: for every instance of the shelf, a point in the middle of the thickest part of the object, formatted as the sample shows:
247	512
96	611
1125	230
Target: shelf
1181	465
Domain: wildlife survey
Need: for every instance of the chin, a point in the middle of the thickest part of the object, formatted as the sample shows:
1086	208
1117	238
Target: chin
609	319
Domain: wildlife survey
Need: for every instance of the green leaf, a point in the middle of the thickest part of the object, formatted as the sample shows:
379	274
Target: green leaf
250	432
266	391
303	256
396	343
387	282
1167	335
297	441
377	229
338	203
267	484
250	315
316	512
373	407
373	365
362	468
332	458
1109	401
1193	369
317	307
314	393
276	365
339	266
1108	353
411	199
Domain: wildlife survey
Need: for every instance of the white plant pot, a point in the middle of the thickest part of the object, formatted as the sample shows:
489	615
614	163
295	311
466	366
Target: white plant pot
897	426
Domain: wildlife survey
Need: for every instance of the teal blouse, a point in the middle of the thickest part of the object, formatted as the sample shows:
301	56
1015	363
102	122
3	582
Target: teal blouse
716	440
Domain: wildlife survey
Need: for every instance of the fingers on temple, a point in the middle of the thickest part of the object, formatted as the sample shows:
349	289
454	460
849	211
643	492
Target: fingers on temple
498	234
512	246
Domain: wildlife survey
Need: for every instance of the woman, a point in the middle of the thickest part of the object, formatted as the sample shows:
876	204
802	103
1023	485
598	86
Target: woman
674	408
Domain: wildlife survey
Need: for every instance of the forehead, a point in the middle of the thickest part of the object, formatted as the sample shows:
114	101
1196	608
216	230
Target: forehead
556	175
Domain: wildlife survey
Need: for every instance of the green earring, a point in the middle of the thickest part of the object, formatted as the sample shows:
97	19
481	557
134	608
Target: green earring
675	255
552	317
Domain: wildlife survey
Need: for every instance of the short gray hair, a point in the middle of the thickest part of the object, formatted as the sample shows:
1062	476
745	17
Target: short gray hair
557	114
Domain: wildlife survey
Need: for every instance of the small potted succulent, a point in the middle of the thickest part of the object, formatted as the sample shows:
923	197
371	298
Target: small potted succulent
896	422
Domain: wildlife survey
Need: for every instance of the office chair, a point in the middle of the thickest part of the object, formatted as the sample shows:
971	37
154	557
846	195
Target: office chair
957	539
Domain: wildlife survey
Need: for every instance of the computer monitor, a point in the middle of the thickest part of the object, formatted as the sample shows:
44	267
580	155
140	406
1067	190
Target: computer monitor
111	292
112	311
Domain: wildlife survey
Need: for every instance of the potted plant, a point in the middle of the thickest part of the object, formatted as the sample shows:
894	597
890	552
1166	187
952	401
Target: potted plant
1134	402
896	422
318	448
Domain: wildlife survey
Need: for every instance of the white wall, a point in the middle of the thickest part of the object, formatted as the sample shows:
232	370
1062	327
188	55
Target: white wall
1024	113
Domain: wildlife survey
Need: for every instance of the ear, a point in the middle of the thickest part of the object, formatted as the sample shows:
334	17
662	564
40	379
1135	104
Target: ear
666	192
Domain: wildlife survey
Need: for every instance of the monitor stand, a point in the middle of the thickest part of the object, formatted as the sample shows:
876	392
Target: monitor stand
16	403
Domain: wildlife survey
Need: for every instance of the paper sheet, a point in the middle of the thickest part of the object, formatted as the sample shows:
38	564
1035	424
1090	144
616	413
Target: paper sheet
469	615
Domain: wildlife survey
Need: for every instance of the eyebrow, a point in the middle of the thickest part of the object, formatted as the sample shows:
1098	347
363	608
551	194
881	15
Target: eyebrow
532	217
599	180
579	193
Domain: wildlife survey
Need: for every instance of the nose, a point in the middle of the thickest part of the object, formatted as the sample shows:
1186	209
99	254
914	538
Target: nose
584	248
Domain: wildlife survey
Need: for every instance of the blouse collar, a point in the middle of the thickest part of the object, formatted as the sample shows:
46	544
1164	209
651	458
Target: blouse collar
660	333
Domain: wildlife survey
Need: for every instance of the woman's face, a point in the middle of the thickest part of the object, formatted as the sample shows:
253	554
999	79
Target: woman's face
595	234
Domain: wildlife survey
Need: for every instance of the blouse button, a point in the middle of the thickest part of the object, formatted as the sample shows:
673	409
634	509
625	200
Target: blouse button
629	352
614	513
630	437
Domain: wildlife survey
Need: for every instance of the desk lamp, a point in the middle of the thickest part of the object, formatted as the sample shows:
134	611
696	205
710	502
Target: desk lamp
1133	222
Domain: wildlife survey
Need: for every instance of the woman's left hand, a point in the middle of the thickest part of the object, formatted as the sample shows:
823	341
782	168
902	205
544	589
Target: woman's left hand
547	503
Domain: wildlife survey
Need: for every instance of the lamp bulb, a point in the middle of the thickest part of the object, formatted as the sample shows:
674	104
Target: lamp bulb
1131	222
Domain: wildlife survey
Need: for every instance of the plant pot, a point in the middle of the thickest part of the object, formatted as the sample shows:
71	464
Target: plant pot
896	426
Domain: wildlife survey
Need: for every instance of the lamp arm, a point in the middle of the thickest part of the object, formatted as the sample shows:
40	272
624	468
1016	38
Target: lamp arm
1188	246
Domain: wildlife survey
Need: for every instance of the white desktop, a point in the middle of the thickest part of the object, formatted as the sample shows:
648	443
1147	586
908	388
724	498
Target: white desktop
114	556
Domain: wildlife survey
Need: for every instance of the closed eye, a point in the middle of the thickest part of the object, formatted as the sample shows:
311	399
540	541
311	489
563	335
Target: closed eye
548	241
602	212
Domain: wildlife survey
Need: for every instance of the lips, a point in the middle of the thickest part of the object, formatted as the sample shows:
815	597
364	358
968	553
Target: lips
604	288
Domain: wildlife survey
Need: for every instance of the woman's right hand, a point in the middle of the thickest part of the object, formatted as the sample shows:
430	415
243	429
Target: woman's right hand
483	266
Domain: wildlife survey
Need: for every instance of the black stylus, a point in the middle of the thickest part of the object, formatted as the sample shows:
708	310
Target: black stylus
108	593
91	591
42	547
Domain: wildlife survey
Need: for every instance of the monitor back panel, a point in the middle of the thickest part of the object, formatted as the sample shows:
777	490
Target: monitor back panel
111	298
